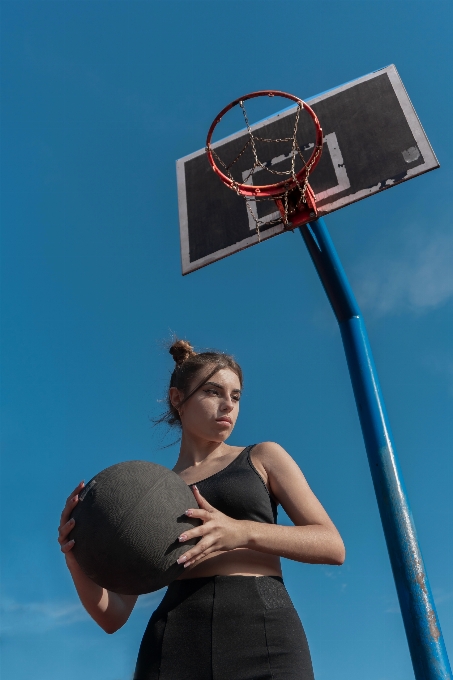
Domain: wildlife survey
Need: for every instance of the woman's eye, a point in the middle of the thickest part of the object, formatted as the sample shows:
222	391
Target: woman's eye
211	391
235	397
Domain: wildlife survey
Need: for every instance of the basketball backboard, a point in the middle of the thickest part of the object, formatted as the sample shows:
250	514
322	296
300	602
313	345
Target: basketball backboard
373	140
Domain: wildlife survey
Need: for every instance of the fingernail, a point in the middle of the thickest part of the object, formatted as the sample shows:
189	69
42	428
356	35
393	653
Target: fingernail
189	513
187	564
195	487
182	559
183	537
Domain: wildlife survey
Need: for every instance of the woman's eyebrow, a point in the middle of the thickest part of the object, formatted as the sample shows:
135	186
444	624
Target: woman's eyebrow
221	387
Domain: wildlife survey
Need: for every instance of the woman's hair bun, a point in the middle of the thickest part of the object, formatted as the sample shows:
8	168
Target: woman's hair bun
181	350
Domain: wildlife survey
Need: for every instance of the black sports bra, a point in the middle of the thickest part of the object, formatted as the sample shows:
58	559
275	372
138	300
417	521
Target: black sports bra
239	491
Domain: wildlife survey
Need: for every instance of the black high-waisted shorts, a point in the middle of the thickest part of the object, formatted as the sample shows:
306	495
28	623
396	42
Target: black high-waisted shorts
225	628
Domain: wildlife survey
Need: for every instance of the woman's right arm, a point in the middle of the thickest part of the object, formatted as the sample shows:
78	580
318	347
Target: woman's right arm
109	610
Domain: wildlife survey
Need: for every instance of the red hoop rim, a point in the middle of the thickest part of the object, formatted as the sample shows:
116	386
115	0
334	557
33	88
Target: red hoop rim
268	190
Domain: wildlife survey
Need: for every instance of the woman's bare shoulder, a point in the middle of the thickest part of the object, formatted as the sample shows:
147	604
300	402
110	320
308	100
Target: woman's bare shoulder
270	453
271	459
288	485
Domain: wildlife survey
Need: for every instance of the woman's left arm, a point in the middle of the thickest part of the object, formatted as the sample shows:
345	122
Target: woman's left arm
313	539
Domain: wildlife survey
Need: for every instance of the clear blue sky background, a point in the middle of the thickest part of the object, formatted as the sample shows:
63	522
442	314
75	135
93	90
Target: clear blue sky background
99	99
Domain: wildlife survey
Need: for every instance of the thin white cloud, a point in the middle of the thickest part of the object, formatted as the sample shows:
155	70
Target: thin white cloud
44	616
393	607
416	276
329	573
39	616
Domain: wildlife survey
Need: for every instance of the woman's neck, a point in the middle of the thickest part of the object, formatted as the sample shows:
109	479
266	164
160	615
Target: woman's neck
194	451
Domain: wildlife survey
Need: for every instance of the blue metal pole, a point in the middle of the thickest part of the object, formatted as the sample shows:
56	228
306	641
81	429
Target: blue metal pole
426	644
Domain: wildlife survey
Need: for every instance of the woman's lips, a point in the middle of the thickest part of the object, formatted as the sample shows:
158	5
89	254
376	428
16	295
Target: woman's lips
225	420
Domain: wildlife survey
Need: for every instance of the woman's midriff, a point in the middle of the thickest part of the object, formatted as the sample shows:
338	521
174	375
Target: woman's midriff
239	562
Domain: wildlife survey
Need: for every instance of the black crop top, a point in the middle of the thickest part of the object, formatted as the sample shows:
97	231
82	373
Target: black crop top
239	491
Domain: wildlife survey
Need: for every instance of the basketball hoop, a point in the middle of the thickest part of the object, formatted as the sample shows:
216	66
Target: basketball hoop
293	195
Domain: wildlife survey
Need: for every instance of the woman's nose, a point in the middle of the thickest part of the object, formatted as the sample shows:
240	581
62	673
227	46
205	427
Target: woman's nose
228	404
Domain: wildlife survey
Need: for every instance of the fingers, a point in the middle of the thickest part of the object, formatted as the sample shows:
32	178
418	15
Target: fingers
193	533
209	543
201	546
71	502
66	547
212	531
77	490
66	522
63	532
202	502
204	515
199	552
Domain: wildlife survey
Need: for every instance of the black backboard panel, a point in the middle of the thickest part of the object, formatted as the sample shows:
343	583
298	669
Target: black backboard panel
373	140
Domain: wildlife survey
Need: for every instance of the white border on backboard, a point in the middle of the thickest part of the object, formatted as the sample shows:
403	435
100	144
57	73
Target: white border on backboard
416	128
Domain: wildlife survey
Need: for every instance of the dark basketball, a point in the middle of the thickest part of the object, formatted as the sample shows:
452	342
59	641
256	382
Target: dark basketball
128	520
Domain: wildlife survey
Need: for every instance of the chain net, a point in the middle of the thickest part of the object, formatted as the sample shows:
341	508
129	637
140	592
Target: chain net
293	194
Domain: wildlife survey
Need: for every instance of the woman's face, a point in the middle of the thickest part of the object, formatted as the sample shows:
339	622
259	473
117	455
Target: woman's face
211	412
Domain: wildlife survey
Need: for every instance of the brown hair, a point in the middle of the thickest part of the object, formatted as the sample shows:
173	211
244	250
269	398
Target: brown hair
188	365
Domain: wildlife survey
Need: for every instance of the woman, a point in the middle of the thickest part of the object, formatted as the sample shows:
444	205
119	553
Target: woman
229	616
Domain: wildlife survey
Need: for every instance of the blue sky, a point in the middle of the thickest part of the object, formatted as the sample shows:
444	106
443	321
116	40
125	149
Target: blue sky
98	101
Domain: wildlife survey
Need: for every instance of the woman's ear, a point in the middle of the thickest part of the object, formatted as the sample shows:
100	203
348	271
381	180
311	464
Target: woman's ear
176	397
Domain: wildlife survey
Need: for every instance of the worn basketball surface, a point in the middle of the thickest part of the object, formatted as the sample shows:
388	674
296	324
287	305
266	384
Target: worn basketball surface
128	520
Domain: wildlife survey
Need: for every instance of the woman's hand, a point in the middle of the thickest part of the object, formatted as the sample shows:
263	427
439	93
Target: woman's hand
218	532
67	525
